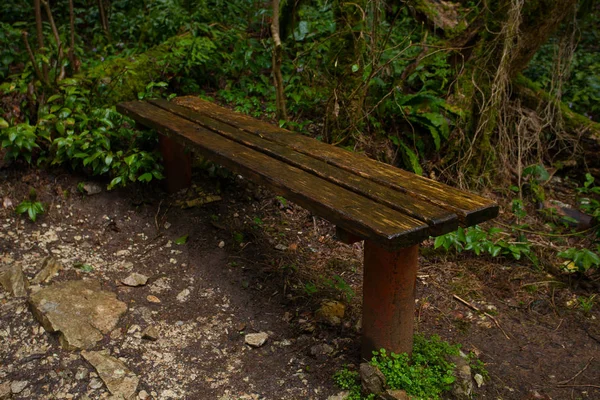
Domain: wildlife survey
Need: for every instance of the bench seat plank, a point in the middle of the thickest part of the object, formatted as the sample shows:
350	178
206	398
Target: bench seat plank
471	209
440	220
352	212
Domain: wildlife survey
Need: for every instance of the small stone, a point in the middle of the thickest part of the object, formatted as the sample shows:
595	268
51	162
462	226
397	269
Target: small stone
135	279
372	379
81	373
221	244
281	247
91	188
183	296
120	381
116	333
240	326
167	225
396	394
122	253
150	333
479	380
133	329
95	383
340	396
13	280
143	395
256	339
17	387
321	351
49	268
331	312
152	299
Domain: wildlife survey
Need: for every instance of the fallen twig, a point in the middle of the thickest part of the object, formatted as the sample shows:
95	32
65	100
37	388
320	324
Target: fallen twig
577	374
592	386
475	308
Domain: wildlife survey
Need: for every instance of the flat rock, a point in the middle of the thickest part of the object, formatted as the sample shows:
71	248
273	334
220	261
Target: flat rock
135	279
48	269
120	381
256	339
79	310
13	280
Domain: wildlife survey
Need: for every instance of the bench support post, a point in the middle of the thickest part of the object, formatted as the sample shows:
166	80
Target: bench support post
177	163
388	299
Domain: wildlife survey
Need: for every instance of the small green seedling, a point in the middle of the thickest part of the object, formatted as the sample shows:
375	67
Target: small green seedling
182	240
32	207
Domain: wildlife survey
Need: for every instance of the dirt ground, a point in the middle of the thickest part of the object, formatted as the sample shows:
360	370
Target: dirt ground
256	263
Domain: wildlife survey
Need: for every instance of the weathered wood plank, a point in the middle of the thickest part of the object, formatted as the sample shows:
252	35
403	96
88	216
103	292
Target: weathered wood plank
440	220
470	208
346	209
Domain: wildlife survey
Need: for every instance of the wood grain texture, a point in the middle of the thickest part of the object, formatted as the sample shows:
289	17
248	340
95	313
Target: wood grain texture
470	208
348	210
439	219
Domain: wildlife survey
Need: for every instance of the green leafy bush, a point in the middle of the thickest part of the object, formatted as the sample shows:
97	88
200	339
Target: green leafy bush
492	242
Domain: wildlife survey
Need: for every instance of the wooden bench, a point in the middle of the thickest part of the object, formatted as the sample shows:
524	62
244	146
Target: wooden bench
392	210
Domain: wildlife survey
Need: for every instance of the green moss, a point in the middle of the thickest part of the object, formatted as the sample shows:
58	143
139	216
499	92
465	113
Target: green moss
122	78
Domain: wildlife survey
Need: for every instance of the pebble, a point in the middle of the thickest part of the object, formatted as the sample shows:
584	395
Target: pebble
153	299
95	383
135	279
221	244
256	339
478	379
17	387
81	373
150	333
183	296
143	395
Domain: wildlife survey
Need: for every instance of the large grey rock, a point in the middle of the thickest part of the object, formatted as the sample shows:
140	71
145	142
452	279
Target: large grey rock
79	310
120	381
372	379
13	280
49	267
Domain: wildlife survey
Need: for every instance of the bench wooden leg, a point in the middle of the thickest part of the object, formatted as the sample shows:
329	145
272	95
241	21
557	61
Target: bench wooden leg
177	163
388	299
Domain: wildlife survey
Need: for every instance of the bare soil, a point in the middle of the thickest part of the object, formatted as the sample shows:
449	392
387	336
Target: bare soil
256	263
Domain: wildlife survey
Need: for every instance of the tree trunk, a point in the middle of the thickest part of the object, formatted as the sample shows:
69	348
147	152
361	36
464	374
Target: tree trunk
345	108
494	47
277	56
